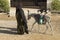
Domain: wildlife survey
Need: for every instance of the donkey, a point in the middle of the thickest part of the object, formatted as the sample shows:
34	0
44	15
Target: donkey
46	20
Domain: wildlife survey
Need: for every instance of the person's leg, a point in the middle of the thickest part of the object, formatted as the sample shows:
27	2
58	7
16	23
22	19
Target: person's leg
25	27
20	29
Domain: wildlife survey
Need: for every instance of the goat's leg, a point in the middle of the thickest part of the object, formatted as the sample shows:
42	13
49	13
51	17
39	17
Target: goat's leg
38	28
33	25
49	23
46	28
50	27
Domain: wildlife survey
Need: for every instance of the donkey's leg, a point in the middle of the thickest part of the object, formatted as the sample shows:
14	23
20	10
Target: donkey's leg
33	25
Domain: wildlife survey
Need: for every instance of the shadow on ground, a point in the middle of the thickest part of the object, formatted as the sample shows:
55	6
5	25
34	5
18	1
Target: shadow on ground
8	30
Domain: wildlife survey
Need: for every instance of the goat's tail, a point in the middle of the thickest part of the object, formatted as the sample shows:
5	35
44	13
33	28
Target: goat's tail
28	13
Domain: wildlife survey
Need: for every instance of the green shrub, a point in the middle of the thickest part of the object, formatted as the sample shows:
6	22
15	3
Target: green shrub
55	5
4	4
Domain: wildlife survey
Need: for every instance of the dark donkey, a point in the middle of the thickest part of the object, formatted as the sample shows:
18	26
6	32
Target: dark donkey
46	20
21	20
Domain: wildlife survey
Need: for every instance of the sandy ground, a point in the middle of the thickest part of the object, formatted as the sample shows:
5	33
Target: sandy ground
8	29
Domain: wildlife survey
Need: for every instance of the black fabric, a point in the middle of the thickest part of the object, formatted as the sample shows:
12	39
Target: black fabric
21	21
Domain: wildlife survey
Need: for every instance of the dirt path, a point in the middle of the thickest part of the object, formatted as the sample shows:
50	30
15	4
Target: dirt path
8	31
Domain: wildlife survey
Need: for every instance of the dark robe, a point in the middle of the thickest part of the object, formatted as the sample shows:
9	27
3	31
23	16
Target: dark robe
21	21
